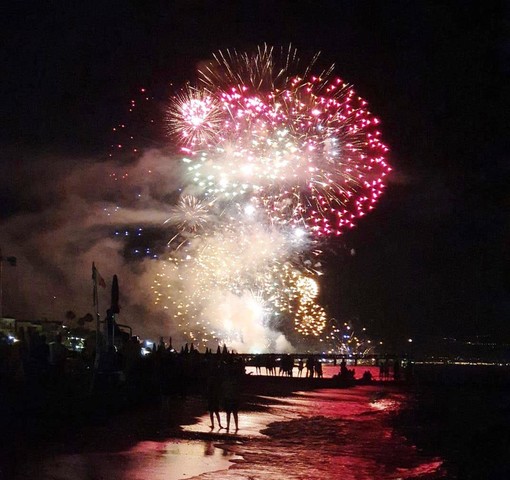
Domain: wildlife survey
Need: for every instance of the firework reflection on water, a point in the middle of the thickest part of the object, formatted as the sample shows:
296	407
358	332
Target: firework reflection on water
333	433
325	434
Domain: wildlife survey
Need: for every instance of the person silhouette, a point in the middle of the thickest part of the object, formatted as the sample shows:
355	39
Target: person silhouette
301	366
318	368
231	393
214	385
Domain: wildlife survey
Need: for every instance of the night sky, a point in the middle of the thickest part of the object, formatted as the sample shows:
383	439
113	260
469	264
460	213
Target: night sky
431	260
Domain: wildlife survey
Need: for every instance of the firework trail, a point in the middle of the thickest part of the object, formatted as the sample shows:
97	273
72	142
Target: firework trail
275	160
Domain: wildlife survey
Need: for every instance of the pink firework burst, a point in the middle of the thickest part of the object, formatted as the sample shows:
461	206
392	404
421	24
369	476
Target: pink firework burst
195	116
304	147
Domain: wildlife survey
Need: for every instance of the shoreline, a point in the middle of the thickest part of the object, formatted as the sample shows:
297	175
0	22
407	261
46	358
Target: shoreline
441	417
115	422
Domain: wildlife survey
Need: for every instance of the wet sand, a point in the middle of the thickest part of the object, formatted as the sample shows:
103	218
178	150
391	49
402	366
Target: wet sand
289	428
327	433
32	424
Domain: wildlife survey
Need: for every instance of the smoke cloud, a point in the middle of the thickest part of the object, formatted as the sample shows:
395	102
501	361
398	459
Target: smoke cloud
66	214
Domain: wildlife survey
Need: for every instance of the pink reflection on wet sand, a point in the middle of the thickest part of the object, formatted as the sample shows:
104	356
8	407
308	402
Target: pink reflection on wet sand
313	435
322	434
168	460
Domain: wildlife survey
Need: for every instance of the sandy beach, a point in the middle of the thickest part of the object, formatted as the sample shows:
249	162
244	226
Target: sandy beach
289	428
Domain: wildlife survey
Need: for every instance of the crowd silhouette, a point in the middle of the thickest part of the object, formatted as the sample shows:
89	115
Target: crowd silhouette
34	369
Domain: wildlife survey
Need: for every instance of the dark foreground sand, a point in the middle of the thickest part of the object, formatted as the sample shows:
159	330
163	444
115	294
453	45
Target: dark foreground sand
72	420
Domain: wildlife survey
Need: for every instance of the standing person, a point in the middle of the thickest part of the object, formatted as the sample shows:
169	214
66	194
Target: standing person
318	368
165	370
161	345
231	392
214	385
300	367
381	370
396	369
343	369
386	370
270	364
258	364
310	361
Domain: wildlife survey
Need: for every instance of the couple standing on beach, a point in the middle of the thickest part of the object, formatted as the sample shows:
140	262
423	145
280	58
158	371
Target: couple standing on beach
223	390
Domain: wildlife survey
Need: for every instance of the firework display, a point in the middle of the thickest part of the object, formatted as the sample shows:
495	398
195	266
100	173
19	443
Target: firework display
342	338
277	160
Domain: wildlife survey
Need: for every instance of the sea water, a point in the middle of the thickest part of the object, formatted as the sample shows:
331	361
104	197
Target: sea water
327	434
